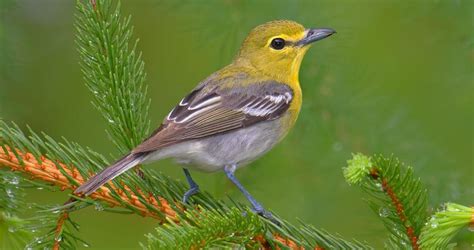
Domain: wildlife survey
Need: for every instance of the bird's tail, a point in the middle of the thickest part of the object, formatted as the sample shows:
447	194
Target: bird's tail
109	173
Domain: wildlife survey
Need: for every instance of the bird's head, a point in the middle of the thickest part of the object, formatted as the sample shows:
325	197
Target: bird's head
276	48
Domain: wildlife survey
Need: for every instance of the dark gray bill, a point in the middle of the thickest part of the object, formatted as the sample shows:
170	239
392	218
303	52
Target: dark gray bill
314	35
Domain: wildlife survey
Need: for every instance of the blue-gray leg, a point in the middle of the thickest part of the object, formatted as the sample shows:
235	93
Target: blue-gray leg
257	207
193	186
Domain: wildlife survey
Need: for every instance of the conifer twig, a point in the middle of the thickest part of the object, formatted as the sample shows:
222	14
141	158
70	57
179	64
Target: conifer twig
399	198
445	224
113	71
47	171
67	164
59	228
388	190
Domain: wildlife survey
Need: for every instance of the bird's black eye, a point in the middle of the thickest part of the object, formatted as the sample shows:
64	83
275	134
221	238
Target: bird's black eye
278	43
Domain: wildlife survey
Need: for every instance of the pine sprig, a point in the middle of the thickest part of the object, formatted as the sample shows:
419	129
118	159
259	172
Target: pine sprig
12	232
444	225
157	197
113	71
308	237
239	228
59	168
33	232
398	197
209	229
55	229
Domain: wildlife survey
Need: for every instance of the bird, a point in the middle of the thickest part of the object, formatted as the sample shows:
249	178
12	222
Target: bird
232	117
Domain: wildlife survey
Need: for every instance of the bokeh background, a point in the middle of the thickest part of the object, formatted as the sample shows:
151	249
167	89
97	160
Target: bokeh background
396	79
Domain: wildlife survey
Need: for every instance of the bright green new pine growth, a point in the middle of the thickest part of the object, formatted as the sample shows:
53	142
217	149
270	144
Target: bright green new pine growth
397	196
444	225
358	168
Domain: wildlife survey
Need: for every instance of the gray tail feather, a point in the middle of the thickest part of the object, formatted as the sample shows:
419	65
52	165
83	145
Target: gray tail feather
109	173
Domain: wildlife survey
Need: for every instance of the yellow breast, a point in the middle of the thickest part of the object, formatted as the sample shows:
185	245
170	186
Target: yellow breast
295	105
294	83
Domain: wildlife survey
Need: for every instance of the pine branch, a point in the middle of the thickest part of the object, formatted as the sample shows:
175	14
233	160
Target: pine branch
49	172
54	229
12	232
401	201
230	228
16	232
55	162
59	230
209	229
399	198
141	199
113	71
445	224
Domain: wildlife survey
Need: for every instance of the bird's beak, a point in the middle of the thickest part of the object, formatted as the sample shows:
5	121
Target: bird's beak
313	35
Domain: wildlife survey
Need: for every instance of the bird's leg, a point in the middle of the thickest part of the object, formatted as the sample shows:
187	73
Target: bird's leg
257	207
193	186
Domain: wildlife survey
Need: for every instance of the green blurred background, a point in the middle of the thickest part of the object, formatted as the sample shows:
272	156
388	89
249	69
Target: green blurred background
397	78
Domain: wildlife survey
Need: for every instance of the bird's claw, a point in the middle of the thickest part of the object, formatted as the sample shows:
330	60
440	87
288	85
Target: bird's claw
192	191
267	215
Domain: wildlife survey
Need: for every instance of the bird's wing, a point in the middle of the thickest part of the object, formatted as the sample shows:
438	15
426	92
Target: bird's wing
209	112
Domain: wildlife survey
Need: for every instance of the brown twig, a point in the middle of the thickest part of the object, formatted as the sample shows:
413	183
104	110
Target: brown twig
59	229
48	171
287	242
375	174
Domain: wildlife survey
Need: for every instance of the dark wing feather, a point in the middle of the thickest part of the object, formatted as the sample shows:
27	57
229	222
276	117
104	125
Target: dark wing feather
200	114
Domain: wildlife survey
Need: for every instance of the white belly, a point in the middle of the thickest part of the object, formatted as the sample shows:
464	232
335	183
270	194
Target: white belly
213	153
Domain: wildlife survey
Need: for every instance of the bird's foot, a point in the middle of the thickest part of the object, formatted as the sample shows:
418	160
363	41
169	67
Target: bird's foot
267	215
192	191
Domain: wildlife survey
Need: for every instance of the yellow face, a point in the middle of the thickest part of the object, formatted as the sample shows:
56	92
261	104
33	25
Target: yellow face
277	48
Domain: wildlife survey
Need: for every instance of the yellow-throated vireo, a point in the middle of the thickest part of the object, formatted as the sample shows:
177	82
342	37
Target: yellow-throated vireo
235	115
